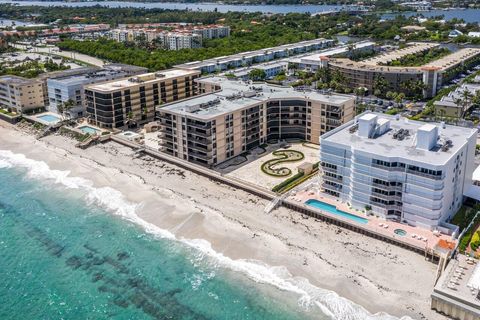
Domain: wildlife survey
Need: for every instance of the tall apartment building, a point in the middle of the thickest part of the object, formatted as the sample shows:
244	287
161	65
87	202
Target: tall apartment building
20	94
212	31
175	40
133	100
405	170
63	89
231	117
178	41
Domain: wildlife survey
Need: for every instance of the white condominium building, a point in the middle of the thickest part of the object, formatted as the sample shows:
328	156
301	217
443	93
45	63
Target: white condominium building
405	170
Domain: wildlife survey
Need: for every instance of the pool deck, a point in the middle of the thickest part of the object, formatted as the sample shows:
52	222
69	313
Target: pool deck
35	118
373	222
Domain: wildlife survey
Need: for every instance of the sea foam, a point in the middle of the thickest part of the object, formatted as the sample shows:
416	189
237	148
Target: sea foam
113	201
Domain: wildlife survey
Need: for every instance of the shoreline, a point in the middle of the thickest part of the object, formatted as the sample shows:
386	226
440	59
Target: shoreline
356	267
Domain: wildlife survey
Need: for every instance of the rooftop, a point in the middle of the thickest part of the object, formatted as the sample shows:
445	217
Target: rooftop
455	58
91	74
412	48
387	146
377	63
237	95
214	61
16	79
331	52
141	79
450	99
459	284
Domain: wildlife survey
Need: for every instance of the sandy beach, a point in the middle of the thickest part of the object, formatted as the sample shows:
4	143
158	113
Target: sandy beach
376	275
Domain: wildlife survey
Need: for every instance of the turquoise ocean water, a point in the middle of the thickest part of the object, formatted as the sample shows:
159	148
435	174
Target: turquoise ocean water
71	251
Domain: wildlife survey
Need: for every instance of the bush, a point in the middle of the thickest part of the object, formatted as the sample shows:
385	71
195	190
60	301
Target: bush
475	242
286	182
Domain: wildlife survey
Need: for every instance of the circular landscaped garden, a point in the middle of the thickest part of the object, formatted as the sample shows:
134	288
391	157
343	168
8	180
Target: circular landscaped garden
272	168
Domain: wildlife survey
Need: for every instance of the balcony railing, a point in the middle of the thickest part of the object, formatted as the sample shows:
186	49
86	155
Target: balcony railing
379	166
387	188
424	175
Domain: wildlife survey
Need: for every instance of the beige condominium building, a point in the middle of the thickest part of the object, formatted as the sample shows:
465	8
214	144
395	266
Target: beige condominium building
22	95
230	117
132	101
433	75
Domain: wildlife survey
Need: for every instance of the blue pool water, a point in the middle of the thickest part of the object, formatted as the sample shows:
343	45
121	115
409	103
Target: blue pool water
49	118
333	210
89	130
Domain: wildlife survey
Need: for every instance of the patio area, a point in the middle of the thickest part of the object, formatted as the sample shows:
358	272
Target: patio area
413	235
251	169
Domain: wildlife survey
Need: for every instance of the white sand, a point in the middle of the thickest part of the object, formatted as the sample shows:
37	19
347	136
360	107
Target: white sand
374	274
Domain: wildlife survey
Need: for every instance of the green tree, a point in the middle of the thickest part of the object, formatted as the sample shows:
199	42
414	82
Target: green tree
257	75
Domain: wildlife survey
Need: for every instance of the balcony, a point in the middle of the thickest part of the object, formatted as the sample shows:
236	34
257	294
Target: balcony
333	179
387	187
328	169
424	175
336	188
386	206
379	166
386	197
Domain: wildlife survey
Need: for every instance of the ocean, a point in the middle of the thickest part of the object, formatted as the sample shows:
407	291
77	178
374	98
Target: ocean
73	251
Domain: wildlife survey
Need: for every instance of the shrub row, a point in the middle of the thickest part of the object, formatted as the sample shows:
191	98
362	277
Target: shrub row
467	237
286	182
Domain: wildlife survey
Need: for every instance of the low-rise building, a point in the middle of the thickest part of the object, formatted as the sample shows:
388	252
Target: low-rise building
405	170
132	101
271	69
230	117
313	62
69	89
245	59
458	102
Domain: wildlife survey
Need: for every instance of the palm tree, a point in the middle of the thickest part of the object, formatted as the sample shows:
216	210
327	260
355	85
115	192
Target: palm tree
465	101
64	107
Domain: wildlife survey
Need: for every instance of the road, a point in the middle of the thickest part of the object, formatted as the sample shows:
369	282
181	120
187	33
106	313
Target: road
67	54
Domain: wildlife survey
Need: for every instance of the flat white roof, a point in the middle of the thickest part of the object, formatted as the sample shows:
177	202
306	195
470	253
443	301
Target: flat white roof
149	77
236	94
387	147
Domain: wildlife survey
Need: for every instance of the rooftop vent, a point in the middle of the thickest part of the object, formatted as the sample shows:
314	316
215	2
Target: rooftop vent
427	136
447	145
401	134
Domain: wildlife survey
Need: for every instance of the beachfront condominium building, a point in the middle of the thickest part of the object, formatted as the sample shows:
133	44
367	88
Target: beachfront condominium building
69	89
405	170
21	95
132	101
230	117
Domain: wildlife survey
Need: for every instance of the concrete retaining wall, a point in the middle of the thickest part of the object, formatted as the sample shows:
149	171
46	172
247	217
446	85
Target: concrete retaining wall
9	119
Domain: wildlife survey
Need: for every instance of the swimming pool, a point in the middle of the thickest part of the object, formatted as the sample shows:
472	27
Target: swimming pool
333	210
89	130
49	118
400	232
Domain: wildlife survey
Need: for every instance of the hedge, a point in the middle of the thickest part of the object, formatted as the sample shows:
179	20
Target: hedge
465	240
286	182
